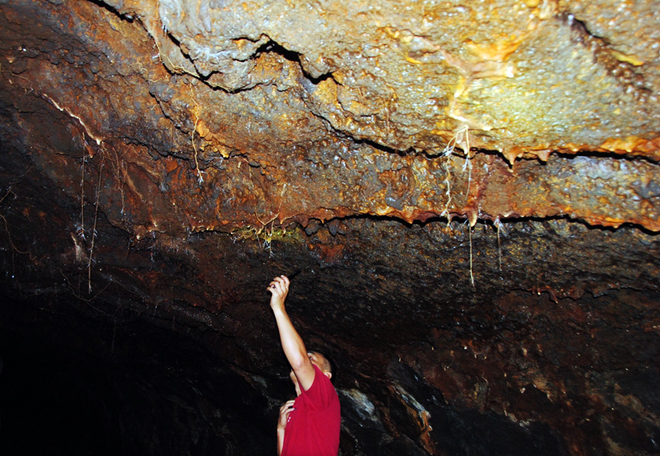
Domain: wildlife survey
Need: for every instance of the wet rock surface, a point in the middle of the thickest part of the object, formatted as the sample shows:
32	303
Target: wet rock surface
470	192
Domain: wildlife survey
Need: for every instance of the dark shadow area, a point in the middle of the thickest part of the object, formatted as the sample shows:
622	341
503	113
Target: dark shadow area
52	401
73	385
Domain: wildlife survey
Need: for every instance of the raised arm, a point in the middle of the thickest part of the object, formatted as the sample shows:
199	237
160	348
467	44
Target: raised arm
292	343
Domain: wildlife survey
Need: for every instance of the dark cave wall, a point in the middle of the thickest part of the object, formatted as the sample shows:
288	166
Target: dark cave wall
552	351
145	390
487	292
553	354
435	367
158	391
133	388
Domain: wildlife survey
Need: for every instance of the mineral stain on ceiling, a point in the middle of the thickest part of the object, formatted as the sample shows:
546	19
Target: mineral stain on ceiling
471	191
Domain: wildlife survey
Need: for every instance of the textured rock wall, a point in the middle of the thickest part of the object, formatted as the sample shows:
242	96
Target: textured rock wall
365	101
470	190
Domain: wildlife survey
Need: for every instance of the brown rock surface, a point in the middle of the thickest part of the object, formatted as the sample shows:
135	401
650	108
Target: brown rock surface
470	189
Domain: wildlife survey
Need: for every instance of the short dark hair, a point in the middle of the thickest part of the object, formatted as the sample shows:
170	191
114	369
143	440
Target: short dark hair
329	364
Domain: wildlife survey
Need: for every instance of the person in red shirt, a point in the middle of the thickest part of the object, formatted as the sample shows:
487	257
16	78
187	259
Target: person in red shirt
308	425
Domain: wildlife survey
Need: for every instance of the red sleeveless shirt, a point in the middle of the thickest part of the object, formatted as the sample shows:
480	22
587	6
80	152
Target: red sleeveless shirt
313	427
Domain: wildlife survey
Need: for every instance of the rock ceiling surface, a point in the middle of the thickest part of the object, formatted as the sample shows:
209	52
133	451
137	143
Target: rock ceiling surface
471	190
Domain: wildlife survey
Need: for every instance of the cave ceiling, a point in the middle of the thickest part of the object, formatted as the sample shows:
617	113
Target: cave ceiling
459	184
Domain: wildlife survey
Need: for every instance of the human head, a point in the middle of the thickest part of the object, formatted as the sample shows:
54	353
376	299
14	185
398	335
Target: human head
320	361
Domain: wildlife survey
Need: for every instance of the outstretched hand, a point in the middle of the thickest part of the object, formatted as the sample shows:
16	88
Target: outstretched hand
278	288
